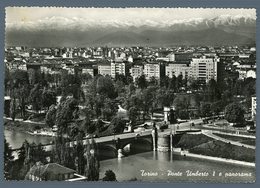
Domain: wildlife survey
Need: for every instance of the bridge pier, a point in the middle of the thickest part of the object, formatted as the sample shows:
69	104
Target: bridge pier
164	143
155	139
120	153
171	140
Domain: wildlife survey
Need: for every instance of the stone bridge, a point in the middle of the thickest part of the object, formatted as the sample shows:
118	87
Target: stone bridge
122	144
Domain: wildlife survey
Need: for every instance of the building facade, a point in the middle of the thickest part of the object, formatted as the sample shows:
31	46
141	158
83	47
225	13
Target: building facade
104	69
152	70
117	68
204	68
136	71
176	69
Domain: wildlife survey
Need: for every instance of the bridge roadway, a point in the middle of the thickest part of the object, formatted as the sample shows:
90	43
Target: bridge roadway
107	139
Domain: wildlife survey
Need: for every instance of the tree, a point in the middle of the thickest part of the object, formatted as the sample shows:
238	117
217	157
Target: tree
172	118
152	81
99	125
71	84
13	108
8	160
216	107
118	125
92	163
120	87
109	109
234	113
87	125
133	115
66	112
121	78
205	110
173	83
19	89
147	98
164	81
109	176
249	87
36	97
141	82
179	81
182	105
22	95
193	84
48	98
79	158
90	128
106	87
213	91
19	77
51	116
164	97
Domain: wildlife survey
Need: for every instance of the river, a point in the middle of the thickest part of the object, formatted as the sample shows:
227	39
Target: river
158	164
16	138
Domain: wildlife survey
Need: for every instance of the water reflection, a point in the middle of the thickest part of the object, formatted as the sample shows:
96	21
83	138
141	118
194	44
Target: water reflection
16	138
130	167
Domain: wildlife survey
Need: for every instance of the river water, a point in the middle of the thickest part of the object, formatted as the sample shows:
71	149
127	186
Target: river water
16	138
158	164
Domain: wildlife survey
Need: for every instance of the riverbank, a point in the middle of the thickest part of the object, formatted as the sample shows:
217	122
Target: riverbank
202	145
242	140
22	126
219	159
228	129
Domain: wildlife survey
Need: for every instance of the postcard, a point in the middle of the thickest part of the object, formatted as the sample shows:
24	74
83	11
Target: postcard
130	94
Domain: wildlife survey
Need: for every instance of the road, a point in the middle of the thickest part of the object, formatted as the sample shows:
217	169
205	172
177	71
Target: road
121	136
211	135
185	125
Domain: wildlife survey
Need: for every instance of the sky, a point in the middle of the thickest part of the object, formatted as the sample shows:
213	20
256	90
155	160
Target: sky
16	15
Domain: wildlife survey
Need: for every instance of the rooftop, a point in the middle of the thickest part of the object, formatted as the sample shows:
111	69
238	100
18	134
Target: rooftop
51	168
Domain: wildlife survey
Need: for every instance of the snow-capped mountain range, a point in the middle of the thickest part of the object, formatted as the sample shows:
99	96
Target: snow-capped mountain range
75	31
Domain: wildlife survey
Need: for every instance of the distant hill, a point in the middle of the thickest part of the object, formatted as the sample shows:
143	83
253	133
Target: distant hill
153	37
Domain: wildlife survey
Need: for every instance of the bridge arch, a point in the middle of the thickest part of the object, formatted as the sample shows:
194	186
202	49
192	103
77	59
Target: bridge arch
137	145
107	151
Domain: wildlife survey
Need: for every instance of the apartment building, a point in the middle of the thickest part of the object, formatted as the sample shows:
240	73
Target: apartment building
136	71
152	70
203	68
176	69
104	69
117	68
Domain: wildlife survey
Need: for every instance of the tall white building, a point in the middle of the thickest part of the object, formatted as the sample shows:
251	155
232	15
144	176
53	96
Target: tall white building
152	70
117	68
204	68
136	71
104	69
177	69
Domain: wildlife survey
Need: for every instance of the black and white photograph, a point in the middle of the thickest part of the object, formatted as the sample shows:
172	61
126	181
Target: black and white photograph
130	94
